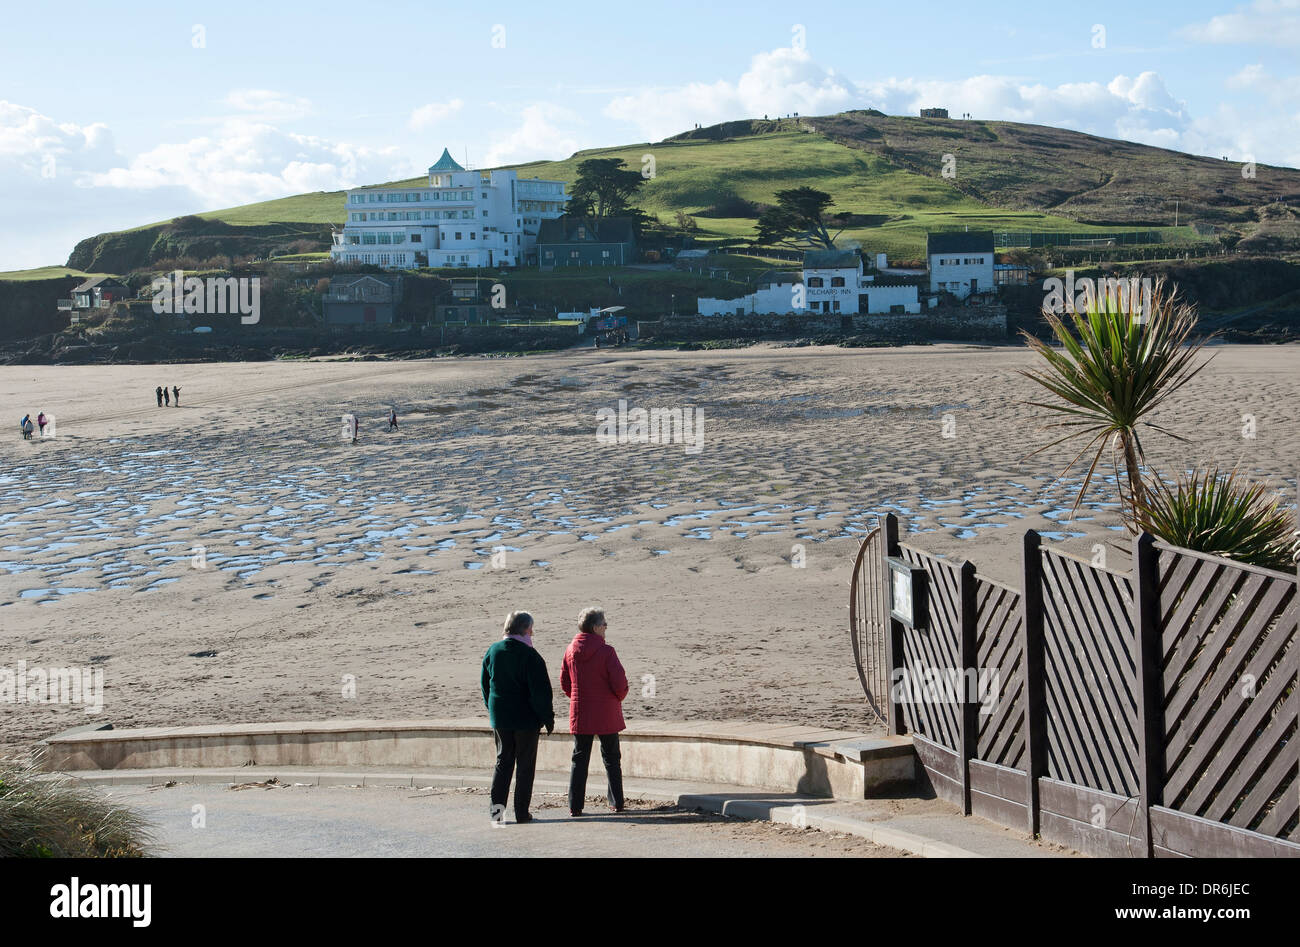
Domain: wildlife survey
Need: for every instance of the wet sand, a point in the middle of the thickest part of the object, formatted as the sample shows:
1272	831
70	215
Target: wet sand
392	562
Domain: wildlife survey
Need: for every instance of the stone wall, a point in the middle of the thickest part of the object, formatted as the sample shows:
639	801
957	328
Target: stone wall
958	324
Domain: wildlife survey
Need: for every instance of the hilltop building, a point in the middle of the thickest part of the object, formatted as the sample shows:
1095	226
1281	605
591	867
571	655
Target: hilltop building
460	218
961	263
934	113
831	281
586	241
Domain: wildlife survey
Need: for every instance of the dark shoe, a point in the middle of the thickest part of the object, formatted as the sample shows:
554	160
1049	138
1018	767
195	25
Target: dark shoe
575	814
523	817
615	808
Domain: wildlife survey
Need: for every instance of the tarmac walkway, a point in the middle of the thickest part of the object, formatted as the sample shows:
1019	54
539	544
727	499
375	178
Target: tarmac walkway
319	812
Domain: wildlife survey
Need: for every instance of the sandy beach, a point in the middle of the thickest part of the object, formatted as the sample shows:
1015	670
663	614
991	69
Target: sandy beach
390	563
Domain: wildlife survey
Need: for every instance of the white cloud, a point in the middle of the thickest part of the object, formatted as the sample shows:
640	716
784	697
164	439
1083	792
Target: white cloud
246	161
269	106
1264	22
434	112
545	131
778	82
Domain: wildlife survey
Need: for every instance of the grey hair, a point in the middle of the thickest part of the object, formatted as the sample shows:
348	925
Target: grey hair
589	618
517	623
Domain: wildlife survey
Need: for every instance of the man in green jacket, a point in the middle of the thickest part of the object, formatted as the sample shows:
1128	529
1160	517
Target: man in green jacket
517	692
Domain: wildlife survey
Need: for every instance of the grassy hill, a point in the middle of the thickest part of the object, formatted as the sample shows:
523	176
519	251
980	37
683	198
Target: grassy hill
885	172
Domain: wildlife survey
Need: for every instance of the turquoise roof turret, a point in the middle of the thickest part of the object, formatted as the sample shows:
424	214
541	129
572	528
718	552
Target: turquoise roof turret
446	163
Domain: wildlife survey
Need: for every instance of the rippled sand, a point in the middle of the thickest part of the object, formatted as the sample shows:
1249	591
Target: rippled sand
724	572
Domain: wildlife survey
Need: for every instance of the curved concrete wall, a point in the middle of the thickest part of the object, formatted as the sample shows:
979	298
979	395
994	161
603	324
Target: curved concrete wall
781	758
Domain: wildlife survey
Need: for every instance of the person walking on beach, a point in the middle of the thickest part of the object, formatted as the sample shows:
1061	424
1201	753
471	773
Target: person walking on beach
392	419
25	425
355	428
517	692
159	393
167	397
176	395
595	683
41	422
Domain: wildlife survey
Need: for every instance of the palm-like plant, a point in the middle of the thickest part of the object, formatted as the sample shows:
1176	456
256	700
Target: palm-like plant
1223	514
1120	359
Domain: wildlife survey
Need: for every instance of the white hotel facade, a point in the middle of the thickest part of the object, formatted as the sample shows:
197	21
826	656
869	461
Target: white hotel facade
461	219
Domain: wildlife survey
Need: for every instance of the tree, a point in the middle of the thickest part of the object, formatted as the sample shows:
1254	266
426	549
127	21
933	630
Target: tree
1123	364
604	189
798	220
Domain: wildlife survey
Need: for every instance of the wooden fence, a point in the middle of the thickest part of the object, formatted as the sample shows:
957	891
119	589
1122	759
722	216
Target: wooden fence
1146	713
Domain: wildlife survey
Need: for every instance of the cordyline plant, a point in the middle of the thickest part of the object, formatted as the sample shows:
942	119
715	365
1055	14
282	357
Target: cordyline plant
1222	514
1120	359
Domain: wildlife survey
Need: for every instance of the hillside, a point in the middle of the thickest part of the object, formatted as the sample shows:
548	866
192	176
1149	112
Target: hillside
886	172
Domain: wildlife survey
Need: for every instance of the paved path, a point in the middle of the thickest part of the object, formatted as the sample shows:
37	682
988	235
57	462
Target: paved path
307	813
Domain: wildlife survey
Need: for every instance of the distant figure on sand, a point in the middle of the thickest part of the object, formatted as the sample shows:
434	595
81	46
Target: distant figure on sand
595	683
25	425
159	393
355	428
392	419
176	395
517	692
41	422
167	397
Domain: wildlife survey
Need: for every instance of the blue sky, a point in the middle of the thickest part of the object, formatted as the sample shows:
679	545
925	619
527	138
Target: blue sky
117	115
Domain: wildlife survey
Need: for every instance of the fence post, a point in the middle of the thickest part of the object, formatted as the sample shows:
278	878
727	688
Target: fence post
1032	665
1146	660
968	722
894	641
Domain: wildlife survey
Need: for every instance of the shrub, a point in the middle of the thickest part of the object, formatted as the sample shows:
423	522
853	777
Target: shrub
45	816
1222	514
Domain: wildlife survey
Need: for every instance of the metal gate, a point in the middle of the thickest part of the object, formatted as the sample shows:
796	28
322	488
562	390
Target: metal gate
869	623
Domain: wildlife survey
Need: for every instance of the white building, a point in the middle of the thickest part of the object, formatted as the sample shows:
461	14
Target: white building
461	218
832	281
961	263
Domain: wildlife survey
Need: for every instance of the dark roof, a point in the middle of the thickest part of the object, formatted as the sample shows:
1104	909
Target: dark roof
779	277
831	259
446	163
959	241
106	281
596	230
338	282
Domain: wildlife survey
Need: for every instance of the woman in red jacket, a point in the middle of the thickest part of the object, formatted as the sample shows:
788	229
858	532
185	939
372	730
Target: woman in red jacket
595	683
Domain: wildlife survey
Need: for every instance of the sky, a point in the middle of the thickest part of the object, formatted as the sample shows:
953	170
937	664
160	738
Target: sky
117	115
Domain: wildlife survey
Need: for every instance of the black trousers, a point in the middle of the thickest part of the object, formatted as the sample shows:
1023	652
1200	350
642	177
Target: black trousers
613	759
517	754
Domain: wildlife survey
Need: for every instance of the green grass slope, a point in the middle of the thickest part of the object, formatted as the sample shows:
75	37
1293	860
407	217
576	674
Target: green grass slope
887	172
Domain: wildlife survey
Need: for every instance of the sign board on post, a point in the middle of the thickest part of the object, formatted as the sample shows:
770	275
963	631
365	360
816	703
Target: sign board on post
908	599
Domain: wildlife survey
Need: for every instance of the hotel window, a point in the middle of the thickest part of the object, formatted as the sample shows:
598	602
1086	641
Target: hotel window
367	238
472	235
415	238
814	282
451	260
457	234
353	238
385	238
467	215
604	253
837	280
573	254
